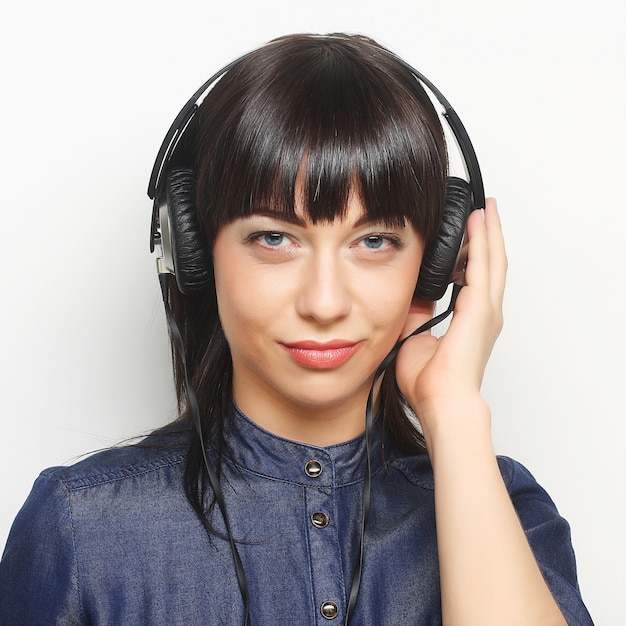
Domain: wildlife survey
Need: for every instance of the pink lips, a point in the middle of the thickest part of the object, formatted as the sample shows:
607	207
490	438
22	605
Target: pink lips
322	355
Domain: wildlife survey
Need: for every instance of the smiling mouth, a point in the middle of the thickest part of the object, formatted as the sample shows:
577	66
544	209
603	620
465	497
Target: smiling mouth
319	355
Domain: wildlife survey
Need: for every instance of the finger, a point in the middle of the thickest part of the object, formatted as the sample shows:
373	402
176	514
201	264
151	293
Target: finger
477	271
497	253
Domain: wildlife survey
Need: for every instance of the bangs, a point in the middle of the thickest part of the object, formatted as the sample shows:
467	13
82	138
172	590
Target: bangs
319	119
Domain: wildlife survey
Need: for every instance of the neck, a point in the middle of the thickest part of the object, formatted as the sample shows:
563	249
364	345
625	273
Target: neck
312	424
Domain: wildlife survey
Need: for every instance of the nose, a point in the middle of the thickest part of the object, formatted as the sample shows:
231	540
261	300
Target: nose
324	291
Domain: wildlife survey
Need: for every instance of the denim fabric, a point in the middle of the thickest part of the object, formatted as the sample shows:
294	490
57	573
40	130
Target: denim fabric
112	540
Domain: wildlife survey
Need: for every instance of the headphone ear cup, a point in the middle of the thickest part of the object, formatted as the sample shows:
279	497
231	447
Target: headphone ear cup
191	256
441	254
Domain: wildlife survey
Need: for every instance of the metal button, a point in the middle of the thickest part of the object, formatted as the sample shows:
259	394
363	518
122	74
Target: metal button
313	469
330	610
319	519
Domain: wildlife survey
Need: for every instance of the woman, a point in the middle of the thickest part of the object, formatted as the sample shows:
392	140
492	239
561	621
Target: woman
305	198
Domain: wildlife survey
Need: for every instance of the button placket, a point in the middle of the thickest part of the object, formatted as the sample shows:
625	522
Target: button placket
325	555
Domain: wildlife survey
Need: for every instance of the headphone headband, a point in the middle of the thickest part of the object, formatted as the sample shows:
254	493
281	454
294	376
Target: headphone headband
176	130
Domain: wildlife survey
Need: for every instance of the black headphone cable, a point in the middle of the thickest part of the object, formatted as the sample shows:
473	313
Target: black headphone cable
369	422
212	474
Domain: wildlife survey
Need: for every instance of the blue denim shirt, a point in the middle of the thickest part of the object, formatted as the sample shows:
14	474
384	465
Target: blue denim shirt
112	540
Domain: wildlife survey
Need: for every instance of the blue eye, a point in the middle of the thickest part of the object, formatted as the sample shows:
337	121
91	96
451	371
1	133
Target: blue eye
374	241
273	239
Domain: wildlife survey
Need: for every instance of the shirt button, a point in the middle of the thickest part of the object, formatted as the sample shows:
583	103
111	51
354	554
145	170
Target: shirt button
319	519
330	610
313	469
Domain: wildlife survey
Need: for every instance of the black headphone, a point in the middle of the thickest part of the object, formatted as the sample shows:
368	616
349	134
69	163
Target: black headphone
174	226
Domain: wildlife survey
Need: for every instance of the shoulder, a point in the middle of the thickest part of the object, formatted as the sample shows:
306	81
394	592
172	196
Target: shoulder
77	515
165	448
104	485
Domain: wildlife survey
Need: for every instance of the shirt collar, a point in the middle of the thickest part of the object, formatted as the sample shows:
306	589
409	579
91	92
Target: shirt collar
257	450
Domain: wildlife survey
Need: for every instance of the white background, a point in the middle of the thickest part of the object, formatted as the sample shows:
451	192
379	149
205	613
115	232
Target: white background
87	93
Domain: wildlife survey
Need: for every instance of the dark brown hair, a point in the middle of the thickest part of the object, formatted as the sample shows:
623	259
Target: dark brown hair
348	116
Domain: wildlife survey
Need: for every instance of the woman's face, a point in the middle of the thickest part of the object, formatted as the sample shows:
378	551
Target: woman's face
309	312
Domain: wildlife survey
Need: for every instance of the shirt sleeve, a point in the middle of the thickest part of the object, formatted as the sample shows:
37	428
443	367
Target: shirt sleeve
549	537
38	577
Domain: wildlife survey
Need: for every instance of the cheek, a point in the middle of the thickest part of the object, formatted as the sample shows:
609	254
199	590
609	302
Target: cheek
230	288
235	304
390	296
247	304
